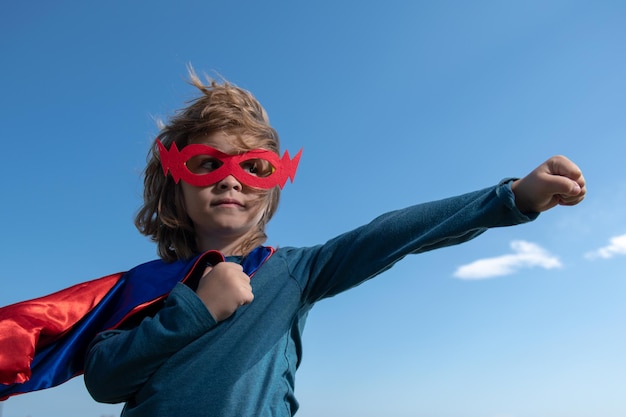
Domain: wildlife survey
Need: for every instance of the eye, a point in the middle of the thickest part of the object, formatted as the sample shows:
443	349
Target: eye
257	167
203	164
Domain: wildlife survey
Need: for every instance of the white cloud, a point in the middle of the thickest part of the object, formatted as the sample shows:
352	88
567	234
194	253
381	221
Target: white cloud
616	246
526	255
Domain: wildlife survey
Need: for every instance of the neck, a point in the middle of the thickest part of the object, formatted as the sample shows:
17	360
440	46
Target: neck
228	247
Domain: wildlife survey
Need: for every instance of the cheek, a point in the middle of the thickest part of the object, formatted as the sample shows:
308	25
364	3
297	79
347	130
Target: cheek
258	208
194	198
187	193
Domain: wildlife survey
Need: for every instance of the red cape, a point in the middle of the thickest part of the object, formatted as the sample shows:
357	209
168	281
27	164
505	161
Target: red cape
43	341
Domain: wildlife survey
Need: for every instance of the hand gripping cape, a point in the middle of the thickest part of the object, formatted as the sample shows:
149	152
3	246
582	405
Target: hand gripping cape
43	341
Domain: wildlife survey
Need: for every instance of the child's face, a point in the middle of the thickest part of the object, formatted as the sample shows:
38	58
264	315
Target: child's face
226	212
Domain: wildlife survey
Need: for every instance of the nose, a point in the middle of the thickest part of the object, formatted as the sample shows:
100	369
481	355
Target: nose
229	183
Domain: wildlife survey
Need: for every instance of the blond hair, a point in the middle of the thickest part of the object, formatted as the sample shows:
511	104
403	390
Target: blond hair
221	107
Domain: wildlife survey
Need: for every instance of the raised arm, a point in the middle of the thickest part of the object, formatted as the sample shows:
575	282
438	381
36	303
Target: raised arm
362	253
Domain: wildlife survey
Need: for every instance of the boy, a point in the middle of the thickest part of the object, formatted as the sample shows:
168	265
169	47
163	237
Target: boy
229	345
226	341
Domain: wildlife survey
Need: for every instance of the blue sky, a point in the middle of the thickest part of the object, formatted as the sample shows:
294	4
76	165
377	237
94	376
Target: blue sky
394	103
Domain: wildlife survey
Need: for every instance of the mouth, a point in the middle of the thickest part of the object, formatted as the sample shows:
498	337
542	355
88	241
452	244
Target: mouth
227	202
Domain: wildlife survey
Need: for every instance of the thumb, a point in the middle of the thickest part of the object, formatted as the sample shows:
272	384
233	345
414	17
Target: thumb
564	186
571	177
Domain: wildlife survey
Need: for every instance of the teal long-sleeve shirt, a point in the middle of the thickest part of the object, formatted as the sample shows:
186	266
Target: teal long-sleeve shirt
181	362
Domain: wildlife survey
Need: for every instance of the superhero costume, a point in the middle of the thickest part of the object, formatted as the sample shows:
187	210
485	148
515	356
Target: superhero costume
181	362
47	337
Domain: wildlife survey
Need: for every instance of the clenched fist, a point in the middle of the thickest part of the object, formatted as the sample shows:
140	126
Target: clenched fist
224	288
558	181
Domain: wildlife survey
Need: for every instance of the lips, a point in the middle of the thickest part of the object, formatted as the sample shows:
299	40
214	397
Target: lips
227	202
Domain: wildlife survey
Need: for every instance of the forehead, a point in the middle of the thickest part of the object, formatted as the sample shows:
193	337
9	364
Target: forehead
229	143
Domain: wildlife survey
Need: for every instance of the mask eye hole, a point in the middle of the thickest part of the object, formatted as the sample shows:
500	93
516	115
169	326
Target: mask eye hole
257	167
203	164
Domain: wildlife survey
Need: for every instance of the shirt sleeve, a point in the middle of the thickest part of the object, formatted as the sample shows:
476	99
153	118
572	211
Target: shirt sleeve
365	252
119	362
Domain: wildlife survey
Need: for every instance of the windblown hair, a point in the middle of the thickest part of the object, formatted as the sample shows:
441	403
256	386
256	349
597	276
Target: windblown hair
221	107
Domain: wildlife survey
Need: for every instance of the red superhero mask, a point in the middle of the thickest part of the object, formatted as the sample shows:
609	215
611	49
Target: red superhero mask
202	165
